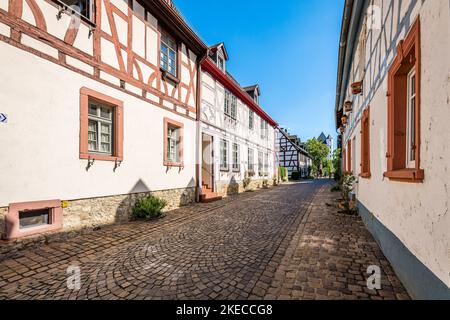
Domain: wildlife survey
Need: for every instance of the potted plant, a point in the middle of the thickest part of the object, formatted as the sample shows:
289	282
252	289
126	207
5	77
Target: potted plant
342	129
357	87
348	105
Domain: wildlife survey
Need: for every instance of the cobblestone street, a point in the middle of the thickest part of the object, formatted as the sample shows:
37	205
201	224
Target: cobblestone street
282	243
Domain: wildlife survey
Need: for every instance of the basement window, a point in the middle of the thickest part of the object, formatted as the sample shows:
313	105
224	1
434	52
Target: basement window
34	218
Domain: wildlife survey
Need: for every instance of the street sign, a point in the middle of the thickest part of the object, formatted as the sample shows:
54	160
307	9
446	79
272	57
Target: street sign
3	118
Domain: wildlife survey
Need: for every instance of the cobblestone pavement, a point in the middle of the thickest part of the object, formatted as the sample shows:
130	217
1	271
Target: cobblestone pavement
275	244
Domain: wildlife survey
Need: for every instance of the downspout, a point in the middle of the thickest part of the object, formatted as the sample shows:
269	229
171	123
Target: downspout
198	144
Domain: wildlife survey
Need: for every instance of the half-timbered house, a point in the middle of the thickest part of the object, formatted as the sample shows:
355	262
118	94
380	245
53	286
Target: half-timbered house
101	99
291	154
237	136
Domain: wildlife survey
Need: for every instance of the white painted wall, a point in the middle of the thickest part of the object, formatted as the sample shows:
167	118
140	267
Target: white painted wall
215	123
40	142
418	214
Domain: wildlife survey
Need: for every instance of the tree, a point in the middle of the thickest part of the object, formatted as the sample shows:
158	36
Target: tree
337	164
328	167
318	152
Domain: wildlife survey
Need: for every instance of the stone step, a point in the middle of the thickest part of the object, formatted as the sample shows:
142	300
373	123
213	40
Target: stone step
210	197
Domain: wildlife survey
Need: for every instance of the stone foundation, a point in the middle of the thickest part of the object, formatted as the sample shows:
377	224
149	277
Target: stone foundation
108	210
86	214
227	189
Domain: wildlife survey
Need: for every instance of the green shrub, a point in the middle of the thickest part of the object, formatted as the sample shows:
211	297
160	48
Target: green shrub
295	176
283	174
149	208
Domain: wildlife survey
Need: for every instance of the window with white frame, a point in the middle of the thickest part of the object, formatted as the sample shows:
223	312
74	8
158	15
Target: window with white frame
230	105
173	144
263	129
266	164
224	155
236	157
221	63
100	128
168	54
251	119
84	8
411	120
260	164
251	160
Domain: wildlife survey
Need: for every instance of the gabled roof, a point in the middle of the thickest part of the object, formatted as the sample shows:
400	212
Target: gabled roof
231	84
219	46
296	146
322	137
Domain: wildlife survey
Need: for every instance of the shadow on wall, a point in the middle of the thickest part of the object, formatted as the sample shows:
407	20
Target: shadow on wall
232	187
175	198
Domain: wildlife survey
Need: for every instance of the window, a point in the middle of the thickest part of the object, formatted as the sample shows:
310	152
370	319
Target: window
260	164
101	126
168	54
403	155
263	129
266	164
224	155
251	119
365	144
251	160
221	63
31	218
230	104
173	143
236	158
84	8
349	156
410	123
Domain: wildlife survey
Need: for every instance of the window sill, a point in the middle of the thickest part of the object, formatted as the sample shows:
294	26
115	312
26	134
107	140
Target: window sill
406	175
224	170
366	175
173	164
99	157
167	76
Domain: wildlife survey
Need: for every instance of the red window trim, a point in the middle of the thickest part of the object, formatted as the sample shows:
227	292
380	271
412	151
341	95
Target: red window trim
349	156
12	229
179	125
85	94
365	145
410	45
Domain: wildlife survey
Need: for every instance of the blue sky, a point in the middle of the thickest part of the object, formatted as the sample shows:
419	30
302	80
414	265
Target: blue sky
289	48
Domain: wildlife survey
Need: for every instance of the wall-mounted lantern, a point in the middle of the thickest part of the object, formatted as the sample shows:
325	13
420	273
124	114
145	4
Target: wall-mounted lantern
348	106
357	87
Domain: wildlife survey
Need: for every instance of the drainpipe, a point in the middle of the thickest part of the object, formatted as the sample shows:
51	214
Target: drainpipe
198	144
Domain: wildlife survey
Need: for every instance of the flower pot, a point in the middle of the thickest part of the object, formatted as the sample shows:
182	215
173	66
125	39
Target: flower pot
357	87
342	129
344	120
